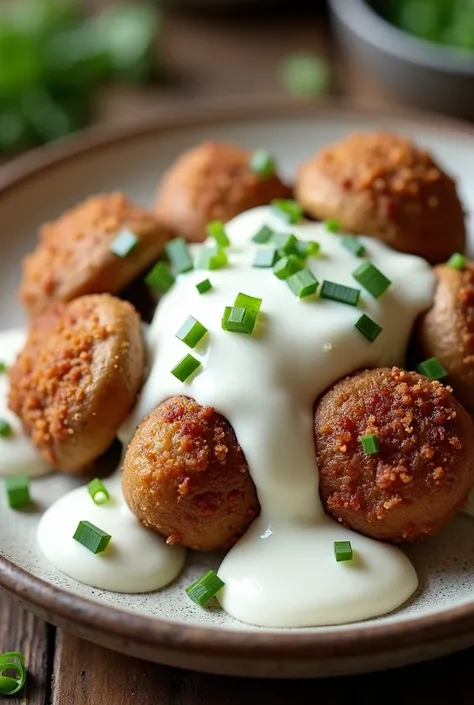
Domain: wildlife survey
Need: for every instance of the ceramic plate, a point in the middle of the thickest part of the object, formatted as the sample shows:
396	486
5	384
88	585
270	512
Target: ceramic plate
167	627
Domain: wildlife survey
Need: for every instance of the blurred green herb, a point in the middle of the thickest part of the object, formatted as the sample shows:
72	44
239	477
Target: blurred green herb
304	73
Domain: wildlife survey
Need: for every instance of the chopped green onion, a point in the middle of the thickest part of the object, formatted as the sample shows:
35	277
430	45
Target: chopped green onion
191	332
124	243
304	73
371	279
457	261
3	368
18	491
287	266
432	368
263	235
204	286
343	551
332	225
216	230
339	292
13	662
179	255
353	244
265	258
263	164
98	491
160	278
185	367
370	444
303	283
369	328
287	243
250	302
238	319
205	588
91	537
211	258
308	248
5	429
289	210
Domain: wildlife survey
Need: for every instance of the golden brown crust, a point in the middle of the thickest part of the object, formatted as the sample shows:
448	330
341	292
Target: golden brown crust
73	256
211	182
380	184
77	378
424	470
186	477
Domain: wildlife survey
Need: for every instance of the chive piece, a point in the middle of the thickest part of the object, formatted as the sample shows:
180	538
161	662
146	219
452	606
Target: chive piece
191	332
343	551
13	662
287	266
179	255
308	248
339	292
354	245
265	258
432	368
371	279
124	243
304	73
91	537
185	367
225	317
5	429
287	243
3	368
250	302
369	328
18	491
303	283
204	286
240	320
216	230
160	278
370	444
457	261
263	235
332	225
98	491
289	210
263	164
211	258
205	588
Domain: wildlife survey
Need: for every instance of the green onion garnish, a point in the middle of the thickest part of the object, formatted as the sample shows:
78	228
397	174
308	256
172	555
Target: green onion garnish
339	292
238	319
457	261
211	258
289	210
265	258
204	286
432	368
93	538
124	243
191	332
13	662
308	248
5	429
160	278
369	328
216	230
287	243
185	367
353	244
250	302
263	235
179	255
371	279
370	444
332	225
3	368
263	164
205	588
18	491
98	491
303	283
343	551
304	73
287	266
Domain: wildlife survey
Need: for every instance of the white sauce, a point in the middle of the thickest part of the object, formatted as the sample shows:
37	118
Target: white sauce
18	456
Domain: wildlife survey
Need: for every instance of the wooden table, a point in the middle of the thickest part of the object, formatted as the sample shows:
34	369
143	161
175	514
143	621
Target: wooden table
66	671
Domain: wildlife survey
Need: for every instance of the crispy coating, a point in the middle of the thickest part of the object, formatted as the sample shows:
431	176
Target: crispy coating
446	331
186	477
77	378
212	182
73	256
424	470
382	185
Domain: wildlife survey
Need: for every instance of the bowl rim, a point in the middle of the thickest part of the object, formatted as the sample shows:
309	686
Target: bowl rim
90	617
372	28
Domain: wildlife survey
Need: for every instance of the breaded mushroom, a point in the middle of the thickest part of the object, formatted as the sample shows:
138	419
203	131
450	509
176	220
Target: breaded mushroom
212	182
77	378
382	185
73	256
186	477
424	468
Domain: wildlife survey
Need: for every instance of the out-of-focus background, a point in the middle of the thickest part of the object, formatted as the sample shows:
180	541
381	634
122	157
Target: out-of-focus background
66	64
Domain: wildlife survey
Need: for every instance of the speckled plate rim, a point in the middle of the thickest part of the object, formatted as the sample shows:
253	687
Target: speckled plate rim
162	638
